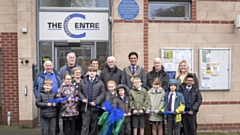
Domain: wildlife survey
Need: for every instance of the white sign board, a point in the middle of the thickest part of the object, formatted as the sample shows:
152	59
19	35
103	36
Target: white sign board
172	56
215	69
67	25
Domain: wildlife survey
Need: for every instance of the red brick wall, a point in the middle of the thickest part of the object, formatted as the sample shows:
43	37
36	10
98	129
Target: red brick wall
201	127
9	79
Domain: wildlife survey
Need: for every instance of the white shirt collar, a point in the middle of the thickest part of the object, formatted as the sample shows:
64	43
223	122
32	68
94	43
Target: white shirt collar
139	88
188	88
91	78
46	72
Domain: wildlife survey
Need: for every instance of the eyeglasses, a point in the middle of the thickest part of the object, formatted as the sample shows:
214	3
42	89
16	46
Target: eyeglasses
182	65
68	79
189	80
77	72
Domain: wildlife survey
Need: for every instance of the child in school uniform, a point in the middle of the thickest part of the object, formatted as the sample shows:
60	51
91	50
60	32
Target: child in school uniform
111	92
69	109
175	104
48	110
156	104
138	103
122	100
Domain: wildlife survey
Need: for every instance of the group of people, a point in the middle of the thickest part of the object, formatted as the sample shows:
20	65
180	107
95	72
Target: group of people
138	94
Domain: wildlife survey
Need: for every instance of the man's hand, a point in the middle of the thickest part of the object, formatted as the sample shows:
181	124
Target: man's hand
84	101
129	114
53	104
140	111
49	104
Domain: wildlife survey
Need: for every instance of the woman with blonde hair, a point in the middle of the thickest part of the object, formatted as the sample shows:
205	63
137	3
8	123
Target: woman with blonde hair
183	71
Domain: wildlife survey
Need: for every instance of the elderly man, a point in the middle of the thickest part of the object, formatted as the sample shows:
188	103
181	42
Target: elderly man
132	71
48	73
111	72
157	71
71	63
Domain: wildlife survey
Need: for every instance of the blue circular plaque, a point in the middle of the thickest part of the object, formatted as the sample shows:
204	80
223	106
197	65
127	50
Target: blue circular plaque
128	10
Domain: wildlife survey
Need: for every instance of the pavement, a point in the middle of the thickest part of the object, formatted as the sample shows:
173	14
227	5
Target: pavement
15	130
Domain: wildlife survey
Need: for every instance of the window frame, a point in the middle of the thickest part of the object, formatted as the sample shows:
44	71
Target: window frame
81	9
169	18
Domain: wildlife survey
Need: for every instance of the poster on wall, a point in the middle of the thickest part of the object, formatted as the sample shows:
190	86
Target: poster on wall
172	56
214	69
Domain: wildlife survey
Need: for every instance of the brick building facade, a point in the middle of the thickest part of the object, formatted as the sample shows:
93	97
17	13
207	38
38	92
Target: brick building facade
211	26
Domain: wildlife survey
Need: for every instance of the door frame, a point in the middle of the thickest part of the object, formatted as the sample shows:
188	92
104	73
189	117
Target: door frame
66	44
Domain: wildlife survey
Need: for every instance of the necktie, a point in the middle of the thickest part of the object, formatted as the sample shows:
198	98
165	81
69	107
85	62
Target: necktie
170	103
91	80
133	70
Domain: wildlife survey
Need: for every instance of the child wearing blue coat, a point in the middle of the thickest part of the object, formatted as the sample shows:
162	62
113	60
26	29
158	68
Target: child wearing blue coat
175	104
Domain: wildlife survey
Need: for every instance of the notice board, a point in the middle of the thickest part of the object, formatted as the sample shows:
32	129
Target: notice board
172	56
214	69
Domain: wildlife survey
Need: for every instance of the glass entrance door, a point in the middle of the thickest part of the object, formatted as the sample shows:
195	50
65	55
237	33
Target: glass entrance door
84	54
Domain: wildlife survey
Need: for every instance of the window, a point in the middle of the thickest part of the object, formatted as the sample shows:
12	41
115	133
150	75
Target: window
102	53
45	53
74	4
180	11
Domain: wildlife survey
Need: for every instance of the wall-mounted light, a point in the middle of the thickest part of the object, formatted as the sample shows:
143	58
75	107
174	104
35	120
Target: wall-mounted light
24	30
25	91
237	22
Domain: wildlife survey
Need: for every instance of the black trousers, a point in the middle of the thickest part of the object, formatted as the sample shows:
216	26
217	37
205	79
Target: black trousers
78	122
49	125
189	124
57	122
126	129
89	118
69	127
172	126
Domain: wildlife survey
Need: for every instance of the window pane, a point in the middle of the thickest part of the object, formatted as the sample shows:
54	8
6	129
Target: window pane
45	53
74	3
169	10
102	53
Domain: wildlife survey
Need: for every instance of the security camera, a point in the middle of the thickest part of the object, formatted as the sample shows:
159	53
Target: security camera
237	22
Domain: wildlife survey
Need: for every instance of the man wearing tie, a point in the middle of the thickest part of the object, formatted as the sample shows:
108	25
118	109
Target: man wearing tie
193	100
133	71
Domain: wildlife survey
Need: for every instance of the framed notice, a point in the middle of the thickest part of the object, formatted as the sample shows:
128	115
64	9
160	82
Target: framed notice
172	56
214	69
